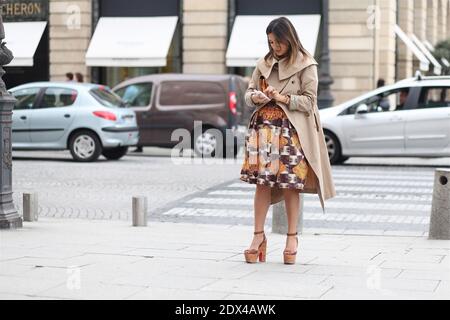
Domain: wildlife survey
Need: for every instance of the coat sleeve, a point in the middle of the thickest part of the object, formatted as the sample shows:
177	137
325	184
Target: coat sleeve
307	98
252	87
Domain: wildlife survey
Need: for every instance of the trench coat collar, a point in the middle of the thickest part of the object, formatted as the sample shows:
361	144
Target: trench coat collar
285	70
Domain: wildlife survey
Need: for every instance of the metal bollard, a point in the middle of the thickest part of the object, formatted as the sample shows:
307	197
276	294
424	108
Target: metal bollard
30	207
279	218
440	207
139	211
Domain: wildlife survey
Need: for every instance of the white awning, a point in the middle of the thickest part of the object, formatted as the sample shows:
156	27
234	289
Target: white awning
131	42
248	41
437	66
445	62
428	45
424	63
23	38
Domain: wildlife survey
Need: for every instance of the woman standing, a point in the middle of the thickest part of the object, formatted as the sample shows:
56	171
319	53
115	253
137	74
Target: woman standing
285	150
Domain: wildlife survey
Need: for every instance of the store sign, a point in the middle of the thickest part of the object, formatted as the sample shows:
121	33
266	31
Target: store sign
22	10
279	7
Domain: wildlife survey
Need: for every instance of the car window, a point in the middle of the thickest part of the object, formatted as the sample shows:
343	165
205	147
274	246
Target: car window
58	97
25	98
106	97
136	95
434	97
176	93
393	100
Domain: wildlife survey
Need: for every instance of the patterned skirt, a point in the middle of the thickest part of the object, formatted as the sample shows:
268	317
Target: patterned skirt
273	154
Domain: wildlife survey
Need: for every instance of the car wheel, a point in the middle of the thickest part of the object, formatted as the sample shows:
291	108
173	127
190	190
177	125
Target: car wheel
115	153
205	144
85	146
334	148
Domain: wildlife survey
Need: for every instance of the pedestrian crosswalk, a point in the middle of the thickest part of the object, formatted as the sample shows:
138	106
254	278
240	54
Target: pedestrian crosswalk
377	199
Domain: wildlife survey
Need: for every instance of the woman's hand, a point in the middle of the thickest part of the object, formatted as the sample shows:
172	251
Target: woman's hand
275	95
270	91
260	98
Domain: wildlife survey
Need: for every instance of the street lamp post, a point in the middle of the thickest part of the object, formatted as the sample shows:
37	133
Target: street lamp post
325	98
9	217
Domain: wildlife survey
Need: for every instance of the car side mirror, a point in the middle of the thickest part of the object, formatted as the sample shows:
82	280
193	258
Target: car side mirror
362	109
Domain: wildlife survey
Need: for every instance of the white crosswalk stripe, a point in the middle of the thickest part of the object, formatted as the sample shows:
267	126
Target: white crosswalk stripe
330	204
366	196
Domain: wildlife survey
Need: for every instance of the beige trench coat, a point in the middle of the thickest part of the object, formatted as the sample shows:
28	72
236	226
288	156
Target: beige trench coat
300	81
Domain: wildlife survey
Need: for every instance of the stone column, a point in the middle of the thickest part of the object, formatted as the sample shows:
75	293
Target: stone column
432	20
70	34
352	39
442	20
387	46
420	25
420	19
205	36
448	20
404	54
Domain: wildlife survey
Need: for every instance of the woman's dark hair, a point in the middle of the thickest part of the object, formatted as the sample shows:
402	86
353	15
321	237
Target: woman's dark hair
284	32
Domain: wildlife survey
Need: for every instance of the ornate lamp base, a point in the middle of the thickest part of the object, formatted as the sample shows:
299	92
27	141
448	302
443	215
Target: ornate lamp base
13	223
9	217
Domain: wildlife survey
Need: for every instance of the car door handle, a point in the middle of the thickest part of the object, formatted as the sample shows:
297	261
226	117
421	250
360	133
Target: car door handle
396	119
23	117
67	116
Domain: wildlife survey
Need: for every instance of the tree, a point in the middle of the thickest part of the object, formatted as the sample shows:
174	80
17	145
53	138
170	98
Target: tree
442	50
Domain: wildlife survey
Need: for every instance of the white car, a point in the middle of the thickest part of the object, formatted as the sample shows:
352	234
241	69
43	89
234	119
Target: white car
408	119
87	119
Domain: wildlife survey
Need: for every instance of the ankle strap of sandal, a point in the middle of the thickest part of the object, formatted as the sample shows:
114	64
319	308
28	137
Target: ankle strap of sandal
292	234
258	232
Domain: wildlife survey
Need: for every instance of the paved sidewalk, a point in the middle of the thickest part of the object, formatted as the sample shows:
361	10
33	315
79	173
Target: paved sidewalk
94	259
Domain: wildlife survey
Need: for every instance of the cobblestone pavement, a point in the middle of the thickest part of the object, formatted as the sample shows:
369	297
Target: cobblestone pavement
391	199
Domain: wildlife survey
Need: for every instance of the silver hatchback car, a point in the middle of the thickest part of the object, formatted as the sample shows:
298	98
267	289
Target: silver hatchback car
410	118
88	119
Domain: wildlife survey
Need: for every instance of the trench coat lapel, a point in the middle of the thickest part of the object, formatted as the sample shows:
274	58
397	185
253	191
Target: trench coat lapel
285	70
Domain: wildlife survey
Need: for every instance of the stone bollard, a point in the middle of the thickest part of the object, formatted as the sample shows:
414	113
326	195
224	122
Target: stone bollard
279	218
440	208
30	207
139	211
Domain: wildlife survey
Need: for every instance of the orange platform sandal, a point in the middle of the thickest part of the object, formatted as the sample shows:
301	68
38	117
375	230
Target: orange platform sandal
289	257
251	256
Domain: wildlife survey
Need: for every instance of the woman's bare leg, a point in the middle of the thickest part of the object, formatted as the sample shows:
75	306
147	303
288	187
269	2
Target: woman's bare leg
292	204
261	206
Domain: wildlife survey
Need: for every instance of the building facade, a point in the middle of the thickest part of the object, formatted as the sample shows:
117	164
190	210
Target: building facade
366	37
